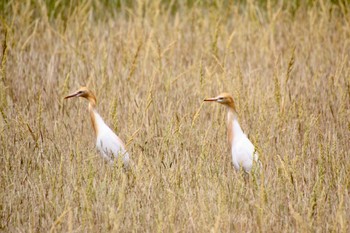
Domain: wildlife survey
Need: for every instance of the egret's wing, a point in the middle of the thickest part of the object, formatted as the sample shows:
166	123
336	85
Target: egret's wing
244	150
111	146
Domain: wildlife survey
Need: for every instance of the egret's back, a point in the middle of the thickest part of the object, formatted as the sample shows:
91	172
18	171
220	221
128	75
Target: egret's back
108	143
243	153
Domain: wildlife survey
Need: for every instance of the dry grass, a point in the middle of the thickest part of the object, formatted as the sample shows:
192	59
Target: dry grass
151	65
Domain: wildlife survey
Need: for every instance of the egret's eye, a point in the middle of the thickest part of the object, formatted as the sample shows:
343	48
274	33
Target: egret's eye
220	98
80	92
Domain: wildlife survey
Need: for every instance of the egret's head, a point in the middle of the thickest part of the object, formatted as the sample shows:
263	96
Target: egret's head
85	93
82	92
223	98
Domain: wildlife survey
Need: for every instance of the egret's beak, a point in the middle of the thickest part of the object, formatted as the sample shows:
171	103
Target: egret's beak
71	95
211	99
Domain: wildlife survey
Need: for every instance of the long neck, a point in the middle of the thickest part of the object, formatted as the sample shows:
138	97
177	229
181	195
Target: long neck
234	130
92	109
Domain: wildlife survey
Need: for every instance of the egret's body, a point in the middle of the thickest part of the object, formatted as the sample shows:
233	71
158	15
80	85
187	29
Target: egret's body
107	142
242	149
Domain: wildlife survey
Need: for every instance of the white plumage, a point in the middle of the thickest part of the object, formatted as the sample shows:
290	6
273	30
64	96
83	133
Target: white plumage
108	143
243	151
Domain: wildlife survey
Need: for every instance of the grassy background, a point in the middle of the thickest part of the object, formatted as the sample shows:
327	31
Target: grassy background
151	63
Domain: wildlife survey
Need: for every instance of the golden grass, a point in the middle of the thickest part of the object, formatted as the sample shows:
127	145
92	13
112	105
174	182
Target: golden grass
151	66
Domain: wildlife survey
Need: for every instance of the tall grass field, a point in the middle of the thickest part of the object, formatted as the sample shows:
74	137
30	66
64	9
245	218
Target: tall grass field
151	64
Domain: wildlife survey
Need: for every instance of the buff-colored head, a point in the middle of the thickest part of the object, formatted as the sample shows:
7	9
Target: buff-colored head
85	93
82	92
225	99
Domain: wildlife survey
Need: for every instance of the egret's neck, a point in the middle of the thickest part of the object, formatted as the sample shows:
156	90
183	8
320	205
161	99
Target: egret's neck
92	100
234	130
92	111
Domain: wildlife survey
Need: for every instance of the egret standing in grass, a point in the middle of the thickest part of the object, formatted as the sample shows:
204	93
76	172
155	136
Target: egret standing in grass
243	151
107	142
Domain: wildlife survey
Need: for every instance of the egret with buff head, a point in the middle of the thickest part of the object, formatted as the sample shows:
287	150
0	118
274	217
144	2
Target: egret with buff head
242	149
107	142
